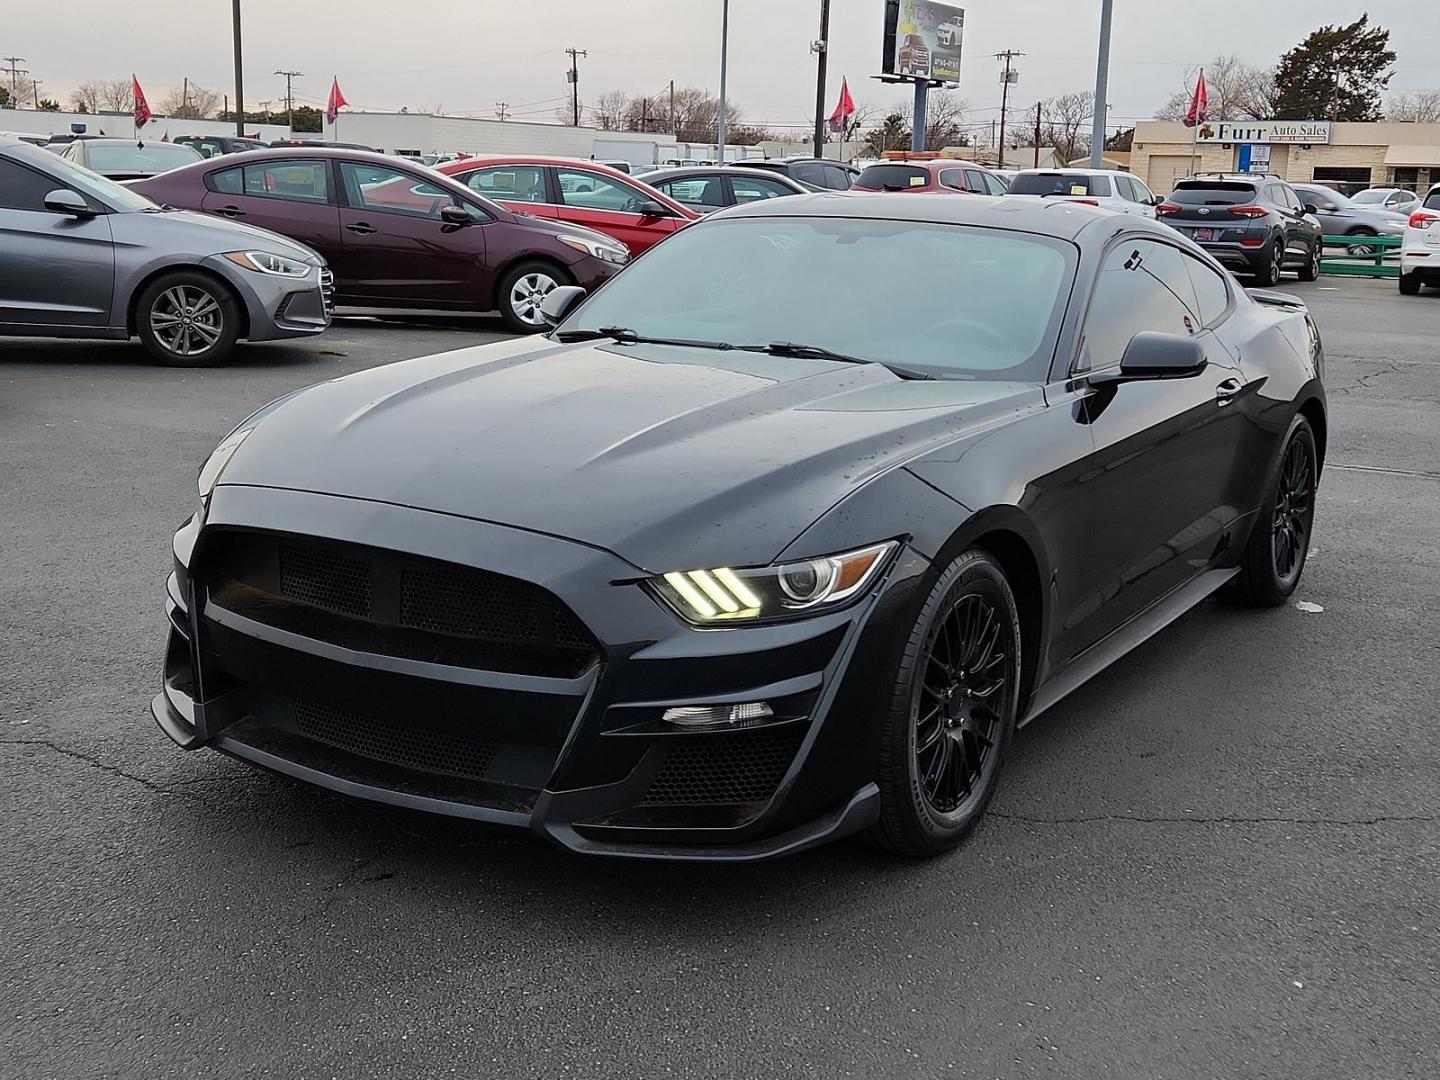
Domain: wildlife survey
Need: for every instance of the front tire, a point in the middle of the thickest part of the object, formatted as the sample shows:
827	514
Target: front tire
186	319
522	291
1274	557
952	710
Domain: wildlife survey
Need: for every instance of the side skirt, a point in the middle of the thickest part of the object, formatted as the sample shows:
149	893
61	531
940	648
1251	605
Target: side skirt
1136	632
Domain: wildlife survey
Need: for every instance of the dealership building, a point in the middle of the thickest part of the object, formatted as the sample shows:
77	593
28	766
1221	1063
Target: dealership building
1366	155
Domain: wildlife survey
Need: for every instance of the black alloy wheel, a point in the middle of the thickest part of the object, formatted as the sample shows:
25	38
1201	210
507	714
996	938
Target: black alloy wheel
952	712
1279	544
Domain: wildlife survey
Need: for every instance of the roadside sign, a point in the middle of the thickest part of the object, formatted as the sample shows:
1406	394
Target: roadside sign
923	40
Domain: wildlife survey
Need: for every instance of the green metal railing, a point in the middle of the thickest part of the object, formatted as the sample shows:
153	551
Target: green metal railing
1363	256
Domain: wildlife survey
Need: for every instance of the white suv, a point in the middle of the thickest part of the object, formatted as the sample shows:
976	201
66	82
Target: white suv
1420	249
1109	188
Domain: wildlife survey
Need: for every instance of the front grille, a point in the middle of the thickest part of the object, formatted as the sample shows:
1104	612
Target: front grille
408	746
725	768
327	289
384	602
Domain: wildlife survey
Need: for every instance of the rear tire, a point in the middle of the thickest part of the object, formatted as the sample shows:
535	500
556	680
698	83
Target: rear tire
1353	248
521	292
1311	270
1274	557
1267	274
1410	284
185	319
952	711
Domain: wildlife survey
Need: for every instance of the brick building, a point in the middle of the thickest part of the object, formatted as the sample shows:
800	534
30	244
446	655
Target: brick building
1364	155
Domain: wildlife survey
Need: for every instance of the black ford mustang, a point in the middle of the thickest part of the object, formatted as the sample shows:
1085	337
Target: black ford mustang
775	539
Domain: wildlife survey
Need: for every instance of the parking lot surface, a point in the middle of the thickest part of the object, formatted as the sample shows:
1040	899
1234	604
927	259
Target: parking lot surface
1218	859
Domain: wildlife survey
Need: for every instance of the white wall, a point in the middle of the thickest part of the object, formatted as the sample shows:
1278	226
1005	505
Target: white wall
120	125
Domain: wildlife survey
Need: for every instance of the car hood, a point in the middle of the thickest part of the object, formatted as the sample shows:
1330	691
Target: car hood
203	234
667	457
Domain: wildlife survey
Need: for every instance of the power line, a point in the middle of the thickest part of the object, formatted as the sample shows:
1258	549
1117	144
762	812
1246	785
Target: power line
15	72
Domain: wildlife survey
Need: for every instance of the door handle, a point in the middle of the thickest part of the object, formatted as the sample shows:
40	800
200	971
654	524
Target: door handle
230	211
1227	391
362	228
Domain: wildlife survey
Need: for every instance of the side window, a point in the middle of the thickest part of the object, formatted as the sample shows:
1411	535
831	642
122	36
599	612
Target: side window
1143	193
591	191
509	183
1292	201
1129	298
1125	188
228	181
838	177
1212	291
1275	194
810	172
993	184
1432	200
1100	186
300	181
750	189
209	147
975	181
390	191
702	193
22	189
953	178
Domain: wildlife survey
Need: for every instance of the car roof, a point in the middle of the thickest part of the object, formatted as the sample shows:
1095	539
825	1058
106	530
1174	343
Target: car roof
1062	219
1067	170
708	170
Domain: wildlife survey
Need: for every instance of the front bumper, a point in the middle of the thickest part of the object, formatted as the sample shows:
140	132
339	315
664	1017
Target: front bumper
578	756
278	307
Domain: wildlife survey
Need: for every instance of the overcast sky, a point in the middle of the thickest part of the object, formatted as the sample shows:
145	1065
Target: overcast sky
468	54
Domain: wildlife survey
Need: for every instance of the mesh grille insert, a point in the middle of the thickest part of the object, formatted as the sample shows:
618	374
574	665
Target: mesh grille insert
421	749
724	769
326	580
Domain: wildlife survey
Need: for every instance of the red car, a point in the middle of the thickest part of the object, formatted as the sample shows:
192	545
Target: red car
580	192
944	174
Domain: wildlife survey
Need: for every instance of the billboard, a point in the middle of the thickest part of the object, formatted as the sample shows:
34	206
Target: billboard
922	40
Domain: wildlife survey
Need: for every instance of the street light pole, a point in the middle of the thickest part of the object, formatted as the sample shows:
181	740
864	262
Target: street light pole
239	81
822	55
724	60
1102	80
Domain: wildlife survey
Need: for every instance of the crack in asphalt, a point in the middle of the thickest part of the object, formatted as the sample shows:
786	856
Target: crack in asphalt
94	763
1365	382
1196	819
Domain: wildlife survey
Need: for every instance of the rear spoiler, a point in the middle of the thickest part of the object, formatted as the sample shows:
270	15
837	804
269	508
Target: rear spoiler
1277	299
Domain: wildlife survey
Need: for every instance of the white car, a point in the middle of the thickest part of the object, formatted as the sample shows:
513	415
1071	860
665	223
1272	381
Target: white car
1109	188
949	33
1420	248
1388	198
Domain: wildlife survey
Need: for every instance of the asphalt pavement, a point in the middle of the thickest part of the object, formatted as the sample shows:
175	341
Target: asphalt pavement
1219	859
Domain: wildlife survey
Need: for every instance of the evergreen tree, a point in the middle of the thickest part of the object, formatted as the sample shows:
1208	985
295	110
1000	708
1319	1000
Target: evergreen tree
1337	73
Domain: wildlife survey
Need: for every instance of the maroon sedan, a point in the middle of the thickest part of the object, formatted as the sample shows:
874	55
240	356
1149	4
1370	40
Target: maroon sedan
395	234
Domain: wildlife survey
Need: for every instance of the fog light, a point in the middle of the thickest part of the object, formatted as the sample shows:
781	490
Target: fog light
718	715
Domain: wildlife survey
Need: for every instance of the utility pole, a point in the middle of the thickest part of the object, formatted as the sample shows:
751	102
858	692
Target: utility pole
1102	80
1037	135
15	72
35	89
1005	80
290	97
821	49
724	60
575	54
239	82
501	109
672	106
185	96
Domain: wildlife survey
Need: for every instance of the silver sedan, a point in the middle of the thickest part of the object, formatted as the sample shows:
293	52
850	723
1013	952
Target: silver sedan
83	257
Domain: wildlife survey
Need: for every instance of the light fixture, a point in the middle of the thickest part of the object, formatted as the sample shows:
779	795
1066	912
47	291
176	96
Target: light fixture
750	712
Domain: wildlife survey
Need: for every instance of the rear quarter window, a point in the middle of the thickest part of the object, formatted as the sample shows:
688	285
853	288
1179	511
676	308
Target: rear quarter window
228	181
1432	201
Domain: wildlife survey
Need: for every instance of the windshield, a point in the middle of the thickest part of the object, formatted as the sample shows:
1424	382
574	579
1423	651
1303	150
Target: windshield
150	158
1060	183
953	301
78	178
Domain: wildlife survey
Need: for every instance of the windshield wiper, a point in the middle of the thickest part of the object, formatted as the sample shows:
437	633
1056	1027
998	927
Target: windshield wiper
819	352
625	336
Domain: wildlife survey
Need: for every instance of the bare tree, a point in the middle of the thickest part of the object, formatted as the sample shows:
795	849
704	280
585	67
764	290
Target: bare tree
1065	124
944	121
102	95
609	109
1238	91
1419	106
697	114
193	103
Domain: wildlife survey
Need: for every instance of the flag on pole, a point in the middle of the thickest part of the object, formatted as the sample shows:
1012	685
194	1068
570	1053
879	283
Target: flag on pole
840	118
336	102
1199	110
142	107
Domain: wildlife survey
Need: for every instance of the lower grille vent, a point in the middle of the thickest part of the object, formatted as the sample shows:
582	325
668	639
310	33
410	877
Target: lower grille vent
725	769
410	747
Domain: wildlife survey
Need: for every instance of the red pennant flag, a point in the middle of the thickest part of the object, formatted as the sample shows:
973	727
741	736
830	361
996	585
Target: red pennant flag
142	107
840	118
336	102
1199	110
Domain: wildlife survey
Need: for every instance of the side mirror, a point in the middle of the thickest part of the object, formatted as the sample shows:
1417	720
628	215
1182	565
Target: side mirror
65	201
559	302
1153	355
1311	208
455	215
651	209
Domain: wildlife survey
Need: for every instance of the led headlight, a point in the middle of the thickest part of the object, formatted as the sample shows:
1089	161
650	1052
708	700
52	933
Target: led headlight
615	252
214	466
267	262
724	595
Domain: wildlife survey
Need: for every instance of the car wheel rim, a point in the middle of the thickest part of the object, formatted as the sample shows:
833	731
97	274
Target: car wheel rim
1361	249
528	294
1279	262
965	688
187	320
1294	508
